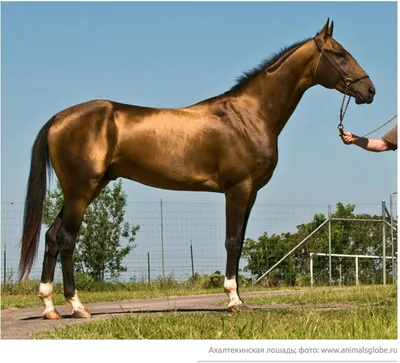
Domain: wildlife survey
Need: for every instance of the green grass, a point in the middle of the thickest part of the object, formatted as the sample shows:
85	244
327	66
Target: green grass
32	300
25	294
373	294
365	312
371	315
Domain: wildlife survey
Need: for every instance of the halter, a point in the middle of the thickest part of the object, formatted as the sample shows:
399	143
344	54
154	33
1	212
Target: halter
346	81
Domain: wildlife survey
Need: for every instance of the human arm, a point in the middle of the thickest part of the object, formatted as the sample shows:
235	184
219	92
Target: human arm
374	145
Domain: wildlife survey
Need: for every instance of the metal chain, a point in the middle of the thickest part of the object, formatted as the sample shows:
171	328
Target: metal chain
343	112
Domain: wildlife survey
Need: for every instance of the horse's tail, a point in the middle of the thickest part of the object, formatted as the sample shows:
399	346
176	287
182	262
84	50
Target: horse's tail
36	193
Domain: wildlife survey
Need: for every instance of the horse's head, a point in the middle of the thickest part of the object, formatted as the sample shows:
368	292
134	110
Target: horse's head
336	68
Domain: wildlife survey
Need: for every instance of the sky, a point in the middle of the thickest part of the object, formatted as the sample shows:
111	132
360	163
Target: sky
55	55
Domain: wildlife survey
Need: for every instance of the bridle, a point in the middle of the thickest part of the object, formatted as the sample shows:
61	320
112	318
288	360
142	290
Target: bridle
346	81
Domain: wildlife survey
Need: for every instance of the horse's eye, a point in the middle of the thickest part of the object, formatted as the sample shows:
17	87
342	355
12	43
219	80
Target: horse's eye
339	54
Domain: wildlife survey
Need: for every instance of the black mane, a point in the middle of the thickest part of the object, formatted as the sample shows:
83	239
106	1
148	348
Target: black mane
250	74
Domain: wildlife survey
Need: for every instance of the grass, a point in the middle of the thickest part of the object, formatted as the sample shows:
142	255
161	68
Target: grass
371	314
25	294
374	294
22	297
366	312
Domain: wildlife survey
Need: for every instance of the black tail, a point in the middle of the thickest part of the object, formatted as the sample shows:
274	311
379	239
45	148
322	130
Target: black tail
35	196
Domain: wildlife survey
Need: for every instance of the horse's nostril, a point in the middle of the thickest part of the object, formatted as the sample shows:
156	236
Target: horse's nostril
371	90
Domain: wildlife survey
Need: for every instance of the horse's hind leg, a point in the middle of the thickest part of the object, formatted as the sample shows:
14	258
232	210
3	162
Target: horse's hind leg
49	265
50	257
74	209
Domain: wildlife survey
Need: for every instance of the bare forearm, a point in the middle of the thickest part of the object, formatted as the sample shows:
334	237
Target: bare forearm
375	145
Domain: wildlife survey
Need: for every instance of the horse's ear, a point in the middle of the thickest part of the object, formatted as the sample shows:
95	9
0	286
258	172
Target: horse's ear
330	32
324	33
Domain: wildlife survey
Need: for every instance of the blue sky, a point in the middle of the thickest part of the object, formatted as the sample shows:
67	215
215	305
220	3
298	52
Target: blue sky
55	55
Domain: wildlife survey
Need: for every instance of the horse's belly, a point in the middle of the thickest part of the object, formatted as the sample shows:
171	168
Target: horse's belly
165	176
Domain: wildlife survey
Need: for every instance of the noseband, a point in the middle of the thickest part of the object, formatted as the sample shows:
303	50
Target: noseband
346	81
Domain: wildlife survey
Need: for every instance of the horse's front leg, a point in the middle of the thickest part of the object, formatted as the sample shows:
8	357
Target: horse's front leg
239	201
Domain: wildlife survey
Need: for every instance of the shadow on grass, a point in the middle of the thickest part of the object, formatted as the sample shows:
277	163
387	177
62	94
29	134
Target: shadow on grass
200	310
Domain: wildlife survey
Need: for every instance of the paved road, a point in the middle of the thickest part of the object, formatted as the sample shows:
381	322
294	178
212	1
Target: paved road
23	323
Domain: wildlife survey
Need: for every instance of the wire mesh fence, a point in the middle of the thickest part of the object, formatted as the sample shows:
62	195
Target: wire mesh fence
177	239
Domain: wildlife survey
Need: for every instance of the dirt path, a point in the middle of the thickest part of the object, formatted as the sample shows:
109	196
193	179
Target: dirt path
23	323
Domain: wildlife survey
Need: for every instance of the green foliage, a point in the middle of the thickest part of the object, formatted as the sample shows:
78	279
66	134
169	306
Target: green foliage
25	287
214	280
99	249
347	237
84	281
195	280
261	255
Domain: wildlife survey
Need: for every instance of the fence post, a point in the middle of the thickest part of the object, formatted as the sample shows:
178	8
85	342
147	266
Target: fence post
394	265
191	257
5	264
162	240
357	282
384	242
311	270
148	266
330	244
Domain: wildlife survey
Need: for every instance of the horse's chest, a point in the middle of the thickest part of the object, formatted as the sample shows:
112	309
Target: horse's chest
265	164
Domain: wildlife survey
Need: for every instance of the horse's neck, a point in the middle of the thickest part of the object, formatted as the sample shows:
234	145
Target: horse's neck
280	90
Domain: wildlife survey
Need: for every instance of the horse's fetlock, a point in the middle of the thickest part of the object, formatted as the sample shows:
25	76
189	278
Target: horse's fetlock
69	293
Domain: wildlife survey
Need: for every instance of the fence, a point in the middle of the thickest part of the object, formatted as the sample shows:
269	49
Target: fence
179	239
386	220
350	278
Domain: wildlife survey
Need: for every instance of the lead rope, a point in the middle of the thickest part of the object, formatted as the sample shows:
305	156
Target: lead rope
343	112
369	133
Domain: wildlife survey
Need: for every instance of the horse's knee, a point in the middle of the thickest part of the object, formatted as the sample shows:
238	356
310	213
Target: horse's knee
233	245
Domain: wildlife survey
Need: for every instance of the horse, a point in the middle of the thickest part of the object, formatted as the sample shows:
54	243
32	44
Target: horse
224	144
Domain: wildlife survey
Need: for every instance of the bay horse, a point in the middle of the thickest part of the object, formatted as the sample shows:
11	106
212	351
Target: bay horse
225	144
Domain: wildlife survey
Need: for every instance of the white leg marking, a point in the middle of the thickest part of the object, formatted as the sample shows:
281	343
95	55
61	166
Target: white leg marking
230	288
45	291
75	302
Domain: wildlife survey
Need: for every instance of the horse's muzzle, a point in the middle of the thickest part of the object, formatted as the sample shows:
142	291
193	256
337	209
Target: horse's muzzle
364	97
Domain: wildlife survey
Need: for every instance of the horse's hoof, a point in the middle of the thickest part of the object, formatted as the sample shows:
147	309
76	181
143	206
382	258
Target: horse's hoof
52	315
81	313
240	307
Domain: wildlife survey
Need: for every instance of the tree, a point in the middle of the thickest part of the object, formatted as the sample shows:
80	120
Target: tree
347	237
264	253
99	249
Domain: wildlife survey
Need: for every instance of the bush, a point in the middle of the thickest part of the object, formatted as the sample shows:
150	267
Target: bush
195	281
303	280
83	281
214	281
244	281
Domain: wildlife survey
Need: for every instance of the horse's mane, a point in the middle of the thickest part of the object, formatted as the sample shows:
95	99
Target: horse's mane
250	74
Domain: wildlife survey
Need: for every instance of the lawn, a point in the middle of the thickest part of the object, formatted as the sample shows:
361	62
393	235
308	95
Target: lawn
368	312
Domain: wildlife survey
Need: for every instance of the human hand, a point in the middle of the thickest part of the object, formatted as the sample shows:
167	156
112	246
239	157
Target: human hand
347	137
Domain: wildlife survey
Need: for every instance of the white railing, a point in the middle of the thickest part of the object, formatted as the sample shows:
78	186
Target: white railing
356	257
